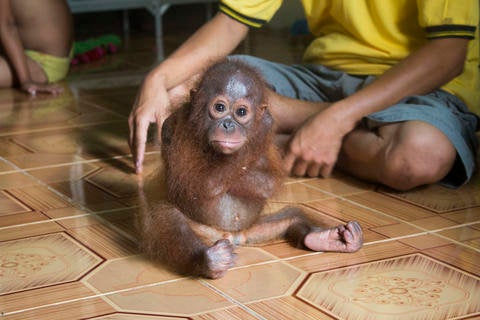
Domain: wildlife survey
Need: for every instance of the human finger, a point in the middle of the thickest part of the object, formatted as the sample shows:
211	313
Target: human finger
52	89
288	162
326	170
313	170
159	131
300	168
32	91
140	139
131	134
57	90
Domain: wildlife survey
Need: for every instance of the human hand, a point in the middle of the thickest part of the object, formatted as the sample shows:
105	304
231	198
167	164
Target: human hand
33	88
314	147
146	110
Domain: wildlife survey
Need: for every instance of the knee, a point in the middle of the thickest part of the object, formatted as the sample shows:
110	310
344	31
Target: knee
415	162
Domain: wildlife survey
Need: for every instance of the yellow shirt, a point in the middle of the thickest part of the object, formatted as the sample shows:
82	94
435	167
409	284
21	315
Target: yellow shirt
368	37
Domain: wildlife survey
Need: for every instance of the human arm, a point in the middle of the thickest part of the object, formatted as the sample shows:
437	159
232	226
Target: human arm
213	41
315	146
15	54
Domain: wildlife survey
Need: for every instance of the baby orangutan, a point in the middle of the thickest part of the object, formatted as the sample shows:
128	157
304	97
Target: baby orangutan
221	168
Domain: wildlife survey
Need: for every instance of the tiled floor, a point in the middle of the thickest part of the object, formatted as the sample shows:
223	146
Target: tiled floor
68	245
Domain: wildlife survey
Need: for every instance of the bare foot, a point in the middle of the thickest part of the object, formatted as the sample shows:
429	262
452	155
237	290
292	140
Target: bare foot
219	258
343	238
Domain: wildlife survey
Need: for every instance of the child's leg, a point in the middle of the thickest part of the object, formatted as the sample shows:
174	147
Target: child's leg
7	77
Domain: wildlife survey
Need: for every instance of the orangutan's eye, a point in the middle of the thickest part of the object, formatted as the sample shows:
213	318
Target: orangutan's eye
241	112
220	107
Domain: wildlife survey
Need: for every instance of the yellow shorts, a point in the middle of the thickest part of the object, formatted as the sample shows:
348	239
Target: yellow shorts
56	68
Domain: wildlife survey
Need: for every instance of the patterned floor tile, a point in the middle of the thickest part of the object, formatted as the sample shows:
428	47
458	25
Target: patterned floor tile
82	219
9	205
385	204
27	114
124	316
284	250
345	210
15	232
124	273
42	261
327	261
425	241
63	213
179	298
40	198
340	185
88	142
55	112
21	218
433	223
457	255
105	240
65	171
117	99
288	308
6	167
121	181
260	282
413	287
82	192
474	243
8	96
461	234
464	216
298	193
250	255
123	220
39	297
397	230
441	199
14	180
9	148
74	310
233	313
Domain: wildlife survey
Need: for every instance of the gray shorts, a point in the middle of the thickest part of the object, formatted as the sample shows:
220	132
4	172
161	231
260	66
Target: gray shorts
441	109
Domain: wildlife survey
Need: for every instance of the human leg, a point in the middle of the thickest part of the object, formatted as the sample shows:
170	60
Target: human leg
400	155
422	140
7	77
